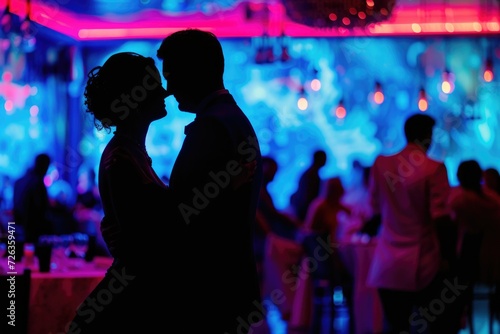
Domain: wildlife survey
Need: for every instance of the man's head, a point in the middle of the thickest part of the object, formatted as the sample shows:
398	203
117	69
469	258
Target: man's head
491	179
333	189
193	65
319	158
418	130
269	169
42	163
470	175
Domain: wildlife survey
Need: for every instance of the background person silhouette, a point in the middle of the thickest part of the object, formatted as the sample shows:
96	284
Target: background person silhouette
31	204
491	179
220	269
476	212
276	245
410	190
309	186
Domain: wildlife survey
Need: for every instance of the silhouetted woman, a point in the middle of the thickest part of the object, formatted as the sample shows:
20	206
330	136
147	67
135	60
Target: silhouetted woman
126	93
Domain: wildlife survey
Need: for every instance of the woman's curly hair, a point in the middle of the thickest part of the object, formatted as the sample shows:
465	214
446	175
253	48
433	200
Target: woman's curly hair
93	95
107	84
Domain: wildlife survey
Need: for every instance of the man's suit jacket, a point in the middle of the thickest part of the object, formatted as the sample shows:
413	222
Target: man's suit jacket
218	255
409	190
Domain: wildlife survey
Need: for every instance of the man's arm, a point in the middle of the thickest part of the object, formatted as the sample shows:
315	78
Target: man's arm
439	191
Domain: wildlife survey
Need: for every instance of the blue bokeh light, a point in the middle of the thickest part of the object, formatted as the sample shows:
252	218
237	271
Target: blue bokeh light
467	118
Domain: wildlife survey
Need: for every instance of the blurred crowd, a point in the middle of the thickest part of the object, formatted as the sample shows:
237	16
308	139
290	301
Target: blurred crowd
329	208
40	207
332	211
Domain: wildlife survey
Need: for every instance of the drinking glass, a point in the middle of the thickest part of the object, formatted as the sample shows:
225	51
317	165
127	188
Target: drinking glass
3	251
58	254
80	244
43	251
63	251
66	242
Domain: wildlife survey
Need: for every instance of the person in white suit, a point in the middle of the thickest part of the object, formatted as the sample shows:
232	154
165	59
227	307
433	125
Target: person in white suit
409	191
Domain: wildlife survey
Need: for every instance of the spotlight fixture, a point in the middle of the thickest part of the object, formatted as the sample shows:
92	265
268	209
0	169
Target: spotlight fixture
378	94
265	52
423	104
488	74
447	85
302	102
340	111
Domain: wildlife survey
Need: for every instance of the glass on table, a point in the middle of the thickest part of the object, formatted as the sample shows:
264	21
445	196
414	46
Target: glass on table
58	260
43	251
61	252
3	253
78	249
80	244
3	245
29	259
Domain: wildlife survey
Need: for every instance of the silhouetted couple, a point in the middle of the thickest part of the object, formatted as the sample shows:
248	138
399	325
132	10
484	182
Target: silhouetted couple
183	252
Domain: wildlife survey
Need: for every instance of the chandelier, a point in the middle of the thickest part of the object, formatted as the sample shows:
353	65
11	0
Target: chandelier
338	13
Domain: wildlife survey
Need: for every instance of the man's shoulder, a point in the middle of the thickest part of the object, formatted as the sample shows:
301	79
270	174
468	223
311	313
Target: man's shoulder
435	162
382	158
415	158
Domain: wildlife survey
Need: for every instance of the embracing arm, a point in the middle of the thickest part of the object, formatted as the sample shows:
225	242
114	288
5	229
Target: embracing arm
132	205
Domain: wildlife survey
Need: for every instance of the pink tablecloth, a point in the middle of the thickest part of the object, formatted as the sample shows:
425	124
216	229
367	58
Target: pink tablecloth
280	272
55	296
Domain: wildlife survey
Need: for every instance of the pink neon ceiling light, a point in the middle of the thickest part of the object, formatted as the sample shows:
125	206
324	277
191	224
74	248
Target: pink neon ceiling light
155	24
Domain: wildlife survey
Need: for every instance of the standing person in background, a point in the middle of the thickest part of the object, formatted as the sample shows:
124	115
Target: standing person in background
219	212
278	251
491	180
88	191
31	203
6	193
270	218
410	191
88	212
476	212
309	186
322	216
357	198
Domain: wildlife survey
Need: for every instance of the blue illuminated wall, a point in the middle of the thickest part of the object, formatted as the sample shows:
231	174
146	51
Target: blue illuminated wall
467	118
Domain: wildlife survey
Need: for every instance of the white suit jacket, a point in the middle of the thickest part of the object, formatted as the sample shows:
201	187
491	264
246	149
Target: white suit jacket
409	190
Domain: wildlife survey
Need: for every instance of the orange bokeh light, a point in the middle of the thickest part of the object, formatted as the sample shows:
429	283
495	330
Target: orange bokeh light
302	103
340	112
488	75
422	104
446	87
378	97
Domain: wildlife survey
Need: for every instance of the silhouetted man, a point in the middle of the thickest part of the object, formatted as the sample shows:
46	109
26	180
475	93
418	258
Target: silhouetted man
222	286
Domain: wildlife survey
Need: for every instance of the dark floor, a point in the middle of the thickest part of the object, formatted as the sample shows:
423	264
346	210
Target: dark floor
340	325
